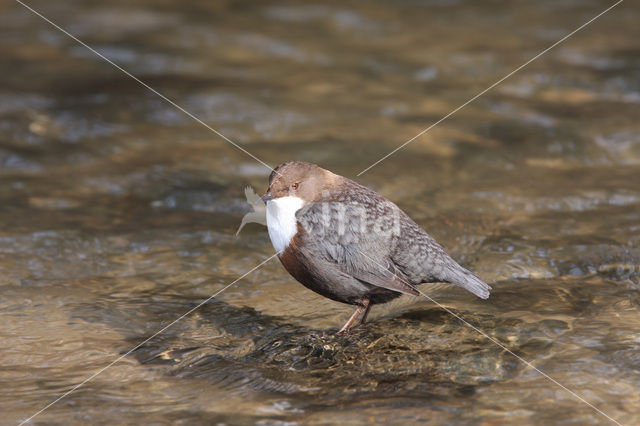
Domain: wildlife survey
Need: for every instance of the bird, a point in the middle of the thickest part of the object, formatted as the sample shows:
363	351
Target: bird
350	244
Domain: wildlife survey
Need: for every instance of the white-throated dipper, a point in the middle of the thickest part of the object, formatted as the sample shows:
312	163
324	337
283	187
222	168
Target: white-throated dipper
348	243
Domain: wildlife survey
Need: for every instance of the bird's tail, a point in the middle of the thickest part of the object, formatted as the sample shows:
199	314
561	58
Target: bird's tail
465	279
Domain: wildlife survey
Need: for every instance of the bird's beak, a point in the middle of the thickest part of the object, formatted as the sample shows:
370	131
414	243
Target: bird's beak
267	197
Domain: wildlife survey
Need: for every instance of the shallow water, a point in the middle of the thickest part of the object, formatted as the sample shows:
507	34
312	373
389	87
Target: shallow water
118	212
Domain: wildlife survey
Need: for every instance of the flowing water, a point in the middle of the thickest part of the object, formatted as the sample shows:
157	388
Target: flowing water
118	211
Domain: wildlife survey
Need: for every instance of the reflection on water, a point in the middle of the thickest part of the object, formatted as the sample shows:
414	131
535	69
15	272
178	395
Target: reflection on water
119	212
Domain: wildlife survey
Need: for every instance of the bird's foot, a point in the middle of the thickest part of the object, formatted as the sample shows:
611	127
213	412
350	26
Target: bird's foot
365	307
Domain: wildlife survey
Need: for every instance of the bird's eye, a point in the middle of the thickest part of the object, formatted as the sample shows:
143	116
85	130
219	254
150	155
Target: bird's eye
295	186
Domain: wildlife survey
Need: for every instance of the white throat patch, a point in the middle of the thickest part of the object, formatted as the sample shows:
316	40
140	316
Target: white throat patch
281	220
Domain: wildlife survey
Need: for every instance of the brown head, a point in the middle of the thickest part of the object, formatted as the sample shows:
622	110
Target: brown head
299	179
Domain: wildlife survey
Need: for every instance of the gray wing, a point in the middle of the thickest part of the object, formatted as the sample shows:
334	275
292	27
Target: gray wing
337	232
376	242
422	259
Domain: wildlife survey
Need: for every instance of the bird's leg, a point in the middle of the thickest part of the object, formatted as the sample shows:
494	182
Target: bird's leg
366	312
354	317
